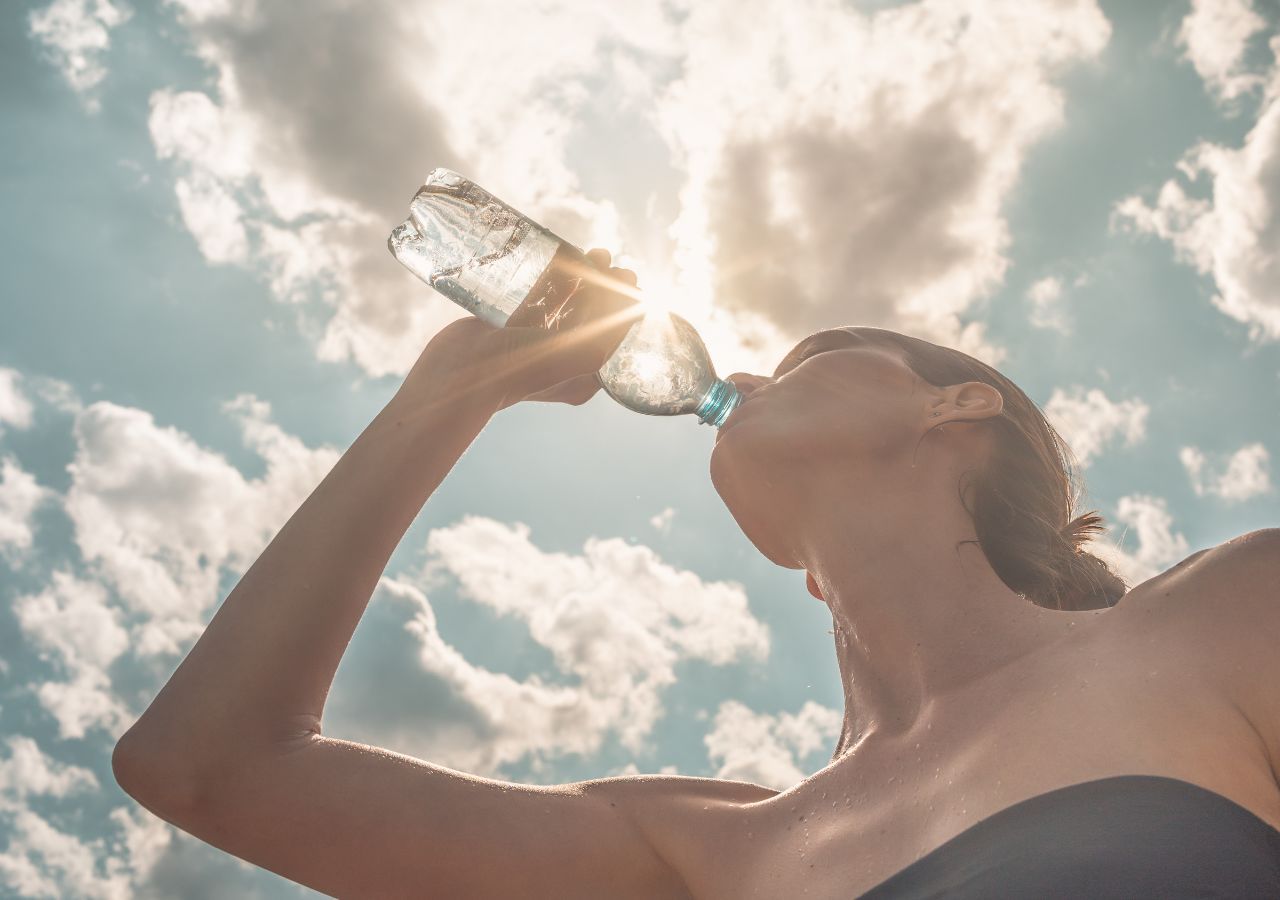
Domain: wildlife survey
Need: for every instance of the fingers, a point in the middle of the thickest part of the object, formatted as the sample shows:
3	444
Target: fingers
746	382
576	391
601	258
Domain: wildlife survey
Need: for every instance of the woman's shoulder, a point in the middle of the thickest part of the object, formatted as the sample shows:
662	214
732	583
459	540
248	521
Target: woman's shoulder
1212	601
689	821
1220	612
1244	570
1255	558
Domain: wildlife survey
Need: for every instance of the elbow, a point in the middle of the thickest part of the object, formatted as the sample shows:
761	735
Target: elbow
143	774
124	766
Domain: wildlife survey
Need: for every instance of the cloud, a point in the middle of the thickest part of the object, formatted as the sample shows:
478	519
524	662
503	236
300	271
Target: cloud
1246	474
1046	310
1159	545
662	521
40	860
158	517
1234	234
15	408
765	749
301	168
820	179
1089	420
846	167
1215	36
69	863
56	393
27	772
20	497
615	619
75	34
73	624
144	839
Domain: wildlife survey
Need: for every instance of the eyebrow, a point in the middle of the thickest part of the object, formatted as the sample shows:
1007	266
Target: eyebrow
799	349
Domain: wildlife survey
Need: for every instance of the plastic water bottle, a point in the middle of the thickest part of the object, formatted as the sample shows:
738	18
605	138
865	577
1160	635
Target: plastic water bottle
507	269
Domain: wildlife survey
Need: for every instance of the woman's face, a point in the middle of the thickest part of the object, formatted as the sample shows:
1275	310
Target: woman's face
839	407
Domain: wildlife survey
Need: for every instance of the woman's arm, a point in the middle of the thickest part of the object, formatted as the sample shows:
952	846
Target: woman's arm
257	678
260	672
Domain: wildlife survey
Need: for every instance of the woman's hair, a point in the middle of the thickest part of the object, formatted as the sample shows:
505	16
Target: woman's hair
1025	499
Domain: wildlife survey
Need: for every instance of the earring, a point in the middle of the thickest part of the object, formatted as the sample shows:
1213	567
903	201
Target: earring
935	414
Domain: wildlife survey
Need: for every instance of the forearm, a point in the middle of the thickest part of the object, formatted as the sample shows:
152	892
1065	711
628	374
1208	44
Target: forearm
258	676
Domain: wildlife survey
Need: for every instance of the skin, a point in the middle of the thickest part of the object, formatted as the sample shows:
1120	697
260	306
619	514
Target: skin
831	466
821	464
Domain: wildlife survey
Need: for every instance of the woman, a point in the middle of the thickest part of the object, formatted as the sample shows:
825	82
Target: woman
1010	728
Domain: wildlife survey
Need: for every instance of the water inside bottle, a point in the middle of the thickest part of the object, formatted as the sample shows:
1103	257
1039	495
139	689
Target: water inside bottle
473	248
550	303
493	261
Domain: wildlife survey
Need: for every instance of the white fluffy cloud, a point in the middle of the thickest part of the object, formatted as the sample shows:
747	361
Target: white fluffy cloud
1246	474
27	772
1159	544
158	516
15	408
851	167
156	519
74	625
75	34
1215	36
765	749
616	619
42	861
834	166
20	497
1089	420
1045	297
301	168
1233	233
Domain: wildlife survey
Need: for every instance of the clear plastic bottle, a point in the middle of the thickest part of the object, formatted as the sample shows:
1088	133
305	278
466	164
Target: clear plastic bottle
505	268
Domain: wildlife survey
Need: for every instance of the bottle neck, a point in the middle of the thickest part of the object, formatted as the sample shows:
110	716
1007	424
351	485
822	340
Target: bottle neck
720	400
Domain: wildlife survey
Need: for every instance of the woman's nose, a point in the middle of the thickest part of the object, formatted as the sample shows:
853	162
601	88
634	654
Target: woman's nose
747	383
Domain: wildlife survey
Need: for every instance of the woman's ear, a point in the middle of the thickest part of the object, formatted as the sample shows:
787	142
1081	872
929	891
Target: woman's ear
813	587
977	398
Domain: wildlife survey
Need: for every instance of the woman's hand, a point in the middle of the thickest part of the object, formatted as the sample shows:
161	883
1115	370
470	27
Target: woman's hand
499	367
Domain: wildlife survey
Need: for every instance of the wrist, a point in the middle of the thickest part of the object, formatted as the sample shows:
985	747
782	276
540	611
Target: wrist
447	399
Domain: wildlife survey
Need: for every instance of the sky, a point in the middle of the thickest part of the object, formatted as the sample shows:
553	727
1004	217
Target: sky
200	315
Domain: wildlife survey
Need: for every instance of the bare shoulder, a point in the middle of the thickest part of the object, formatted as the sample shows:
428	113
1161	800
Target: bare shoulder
1217	598
688	821
1221	607
1250	565
1244	570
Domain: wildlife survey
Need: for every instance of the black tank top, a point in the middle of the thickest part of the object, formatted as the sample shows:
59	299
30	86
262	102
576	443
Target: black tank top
1129	836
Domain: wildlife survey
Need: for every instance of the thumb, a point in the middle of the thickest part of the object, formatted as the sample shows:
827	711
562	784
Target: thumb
603	327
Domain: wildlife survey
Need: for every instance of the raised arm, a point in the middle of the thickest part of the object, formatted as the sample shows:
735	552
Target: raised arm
256	680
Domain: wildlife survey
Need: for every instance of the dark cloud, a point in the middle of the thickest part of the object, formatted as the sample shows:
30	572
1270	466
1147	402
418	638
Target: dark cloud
878	207
335	98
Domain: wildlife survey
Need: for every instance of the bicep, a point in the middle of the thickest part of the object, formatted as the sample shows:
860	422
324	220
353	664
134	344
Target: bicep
352	820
